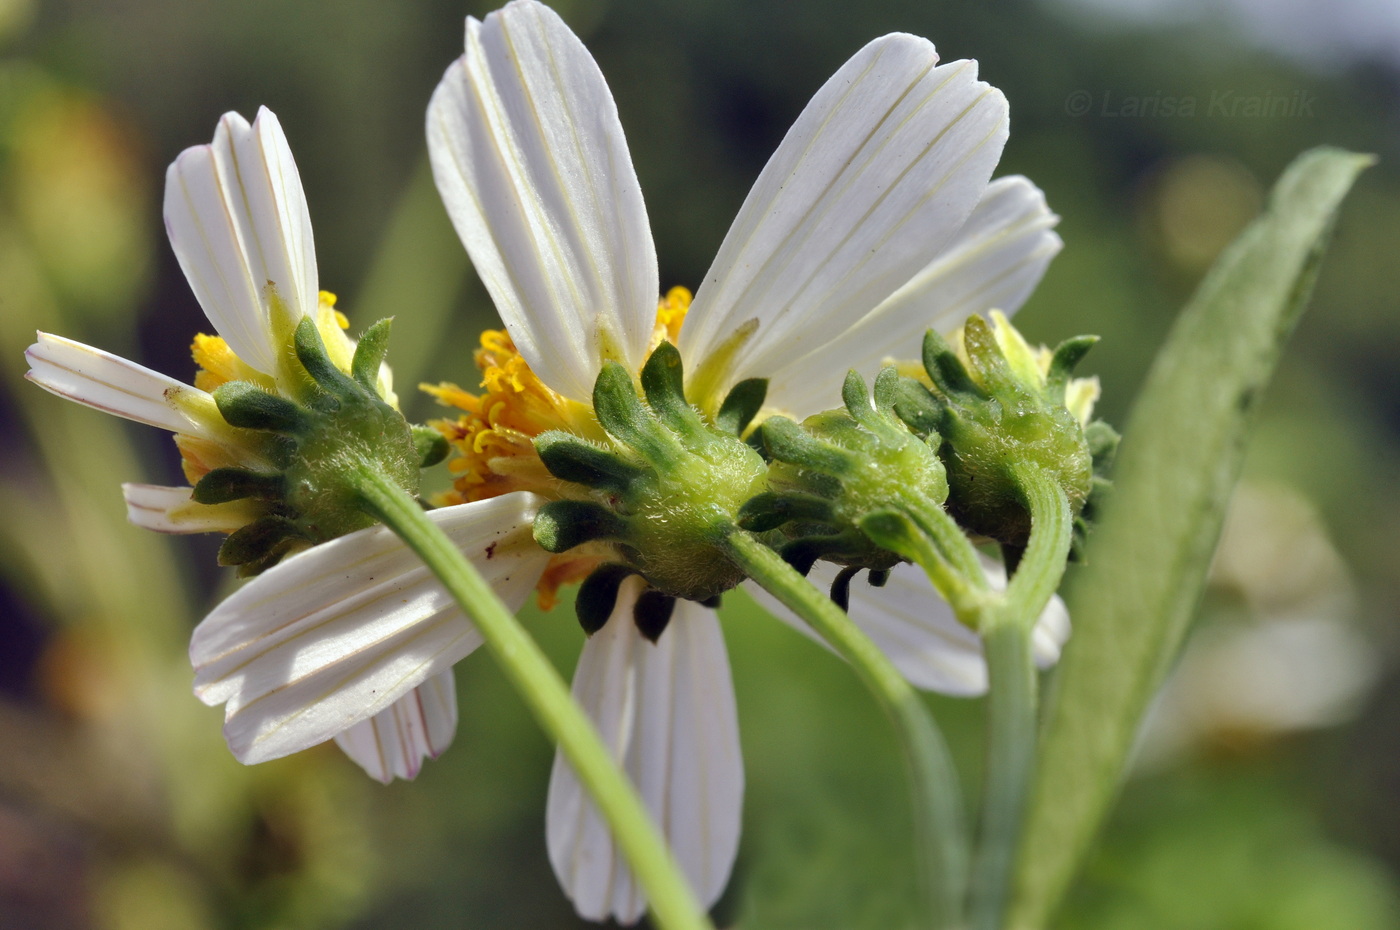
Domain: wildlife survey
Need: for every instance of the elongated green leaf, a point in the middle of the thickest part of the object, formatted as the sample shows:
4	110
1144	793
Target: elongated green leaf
1134	600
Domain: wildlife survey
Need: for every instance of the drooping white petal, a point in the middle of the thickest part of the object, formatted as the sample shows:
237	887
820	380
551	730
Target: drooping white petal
994	262
237	219
666	710
114	385
880	170
917	630
336	634
531	162
171	510
393	743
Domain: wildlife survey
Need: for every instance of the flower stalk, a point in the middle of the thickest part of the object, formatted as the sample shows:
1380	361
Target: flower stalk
1011	708
672	903
940	831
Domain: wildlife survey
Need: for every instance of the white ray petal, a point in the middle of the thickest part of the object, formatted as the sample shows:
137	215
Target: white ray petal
994	262
114	385
171	510
420	725
666	710
880	170
914	626
334	635
531	162
238	222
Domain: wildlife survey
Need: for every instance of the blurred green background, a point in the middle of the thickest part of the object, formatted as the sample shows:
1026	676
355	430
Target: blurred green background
1267	792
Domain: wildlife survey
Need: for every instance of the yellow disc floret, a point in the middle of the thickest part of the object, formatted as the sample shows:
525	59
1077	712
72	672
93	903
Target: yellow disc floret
493	439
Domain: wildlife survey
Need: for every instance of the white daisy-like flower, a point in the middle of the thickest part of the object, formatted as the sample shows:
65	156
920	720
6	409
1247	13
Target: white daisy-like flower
873	221
238	222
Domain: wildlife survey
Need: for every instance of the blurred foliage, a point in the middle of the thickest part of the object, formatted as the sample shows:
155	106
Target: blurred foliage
120	806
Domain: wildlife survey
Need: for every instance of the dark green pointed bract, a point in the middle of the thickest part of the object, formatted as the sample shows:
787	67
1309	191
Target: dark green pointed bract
992	410
663	487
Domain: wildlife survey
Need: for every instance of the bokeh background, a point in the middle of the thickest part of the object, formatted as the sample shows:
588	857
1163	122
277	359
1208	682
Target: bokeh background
1266	795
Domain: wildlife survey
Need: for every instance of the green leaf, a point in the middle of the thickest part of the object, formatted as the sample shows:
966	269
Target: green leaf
1135	599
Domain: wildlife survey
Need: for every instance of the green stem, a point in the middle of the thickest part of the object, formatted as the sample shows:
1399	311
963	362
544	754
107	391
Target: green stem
1007	628
1011	708
938	806
949	539
1047	552
673	904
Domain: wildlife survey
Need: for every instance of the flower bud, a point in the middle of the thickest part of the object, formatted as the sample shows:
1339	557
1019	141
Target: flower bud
998	402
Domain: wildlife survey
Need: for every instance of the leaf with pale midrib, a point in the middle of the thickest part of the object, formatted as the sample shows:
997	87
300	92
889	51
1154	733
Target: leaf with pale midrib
1133	601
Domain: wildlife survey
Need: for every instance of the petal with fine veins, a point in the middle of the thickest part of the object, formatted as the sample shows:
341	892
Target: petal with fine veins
393	743
916	629
112	384
237	219
666	711
531	162
336	634
878	173
994	262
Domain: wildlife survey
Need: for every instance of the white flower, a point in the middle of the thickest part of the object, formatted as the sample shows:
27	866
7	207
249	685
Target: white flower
238	222
873	221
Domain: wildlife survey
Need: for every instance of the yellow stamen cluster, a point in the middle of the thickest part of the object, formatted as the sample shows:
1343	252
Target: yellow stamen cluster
493	440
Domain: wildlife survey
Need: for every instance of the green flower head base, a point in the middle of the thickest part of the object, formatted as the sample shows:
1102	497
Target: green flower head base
993	401
665	489
337	428
837	468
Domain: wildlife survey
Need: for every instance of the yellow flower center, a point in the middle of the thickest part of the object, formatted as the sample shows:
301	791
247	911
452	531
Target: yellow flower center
493	439
218	365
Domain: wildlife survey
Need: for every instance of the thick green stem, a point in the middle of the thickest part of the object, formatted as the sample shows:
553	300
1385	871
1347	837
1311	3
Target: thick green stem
1011	708
673	904
1007	628
937	795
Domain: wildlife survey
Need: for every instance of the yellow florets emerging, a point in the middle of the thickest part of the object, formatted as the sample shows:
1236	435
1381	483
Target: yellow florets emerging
218	365
493	440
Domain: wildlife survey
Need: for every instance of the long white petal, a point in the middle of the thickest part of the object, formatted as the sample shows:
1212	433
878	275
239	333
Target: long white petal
667	712
336	634
237	219
531	162
917	630
393	743
114	385
171	510
994	262
880	170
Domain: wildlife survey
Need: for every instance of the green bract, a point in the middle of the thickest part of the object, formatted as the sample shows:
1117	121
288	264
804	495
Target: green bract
996	407
837	468
339	427
663	493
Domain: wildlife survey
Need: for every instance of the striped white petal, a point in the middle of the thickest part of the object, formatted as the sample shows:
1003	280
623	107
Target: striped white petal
666	710
994	262
531	162
336	634
171	510
876	176
393	743
237	219
114	385
916	629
